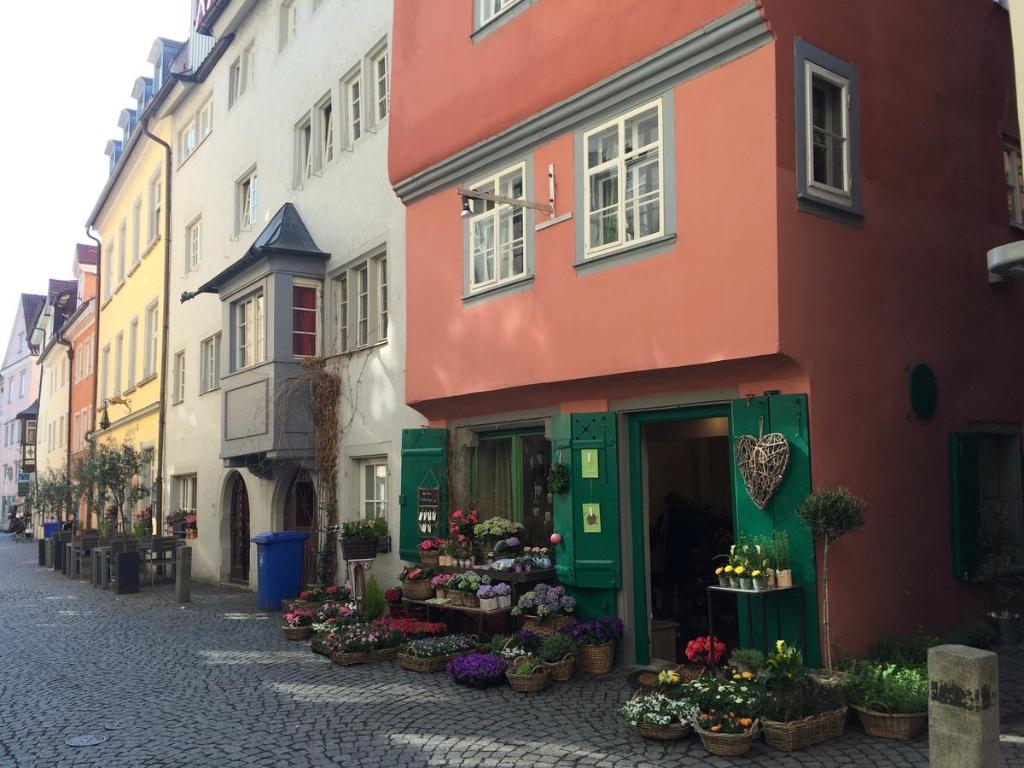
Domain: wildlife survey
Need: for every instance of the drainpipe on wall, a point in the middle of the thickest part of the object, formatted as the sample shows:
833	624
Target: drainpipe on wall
71	371
90	434
158	491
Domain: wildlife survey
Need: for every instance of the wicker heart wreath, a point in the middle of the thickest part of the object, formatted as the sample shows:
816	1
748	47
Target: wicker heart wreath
762	462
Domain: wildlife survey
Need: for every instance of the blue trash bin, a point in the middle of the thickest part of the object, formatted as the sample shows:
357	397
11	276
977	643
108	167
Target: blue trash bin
49	529
279	566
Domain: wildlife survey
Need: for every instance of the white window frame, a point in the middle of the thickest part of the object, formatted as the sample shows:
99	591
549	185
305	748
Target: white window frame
299	282
352	87
246	200
250	314
619	162
178	368
380	265
22	383
1013	170
155	206
326	129
367	496
339	286
362	287
841	194
133	351
105	373
209	364
193	244
488	12
188	485
381	90
137	231
152	340
118	361
494	216
305	150
289	23
122	251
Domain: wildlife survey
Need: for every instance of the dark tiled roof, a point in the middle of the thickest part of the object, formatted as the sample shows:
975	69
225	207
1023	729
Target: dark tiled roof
32	410
57	287
86	254
31	304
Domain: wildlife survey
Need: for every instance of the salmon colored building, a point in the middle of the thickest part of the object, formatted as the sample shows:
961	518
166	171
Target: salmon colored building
768	217
80	332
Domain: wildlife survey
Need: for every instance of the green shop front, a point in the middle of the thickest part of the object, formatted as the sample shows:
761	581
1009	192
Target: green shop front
641	503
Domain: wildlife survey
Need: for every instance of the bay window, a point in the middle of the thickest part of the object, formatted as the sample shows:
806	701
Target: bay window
305	318
249	331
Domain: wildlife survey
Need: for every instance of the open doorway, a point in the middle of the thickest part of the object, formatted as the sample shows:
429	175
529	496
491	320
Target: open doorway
688	511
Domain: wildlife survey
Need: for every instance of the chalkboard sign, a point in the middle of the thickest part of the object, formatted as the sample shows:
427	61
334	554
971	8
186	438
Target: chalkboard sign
428	505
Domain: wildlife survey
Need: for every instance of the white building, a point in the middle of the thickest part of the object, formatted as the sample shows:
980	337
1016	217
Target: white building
52	444
19	379
281	204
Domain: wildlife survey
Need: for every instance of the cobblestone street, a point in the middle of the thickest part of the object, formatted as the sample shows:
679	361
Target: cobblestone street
213	683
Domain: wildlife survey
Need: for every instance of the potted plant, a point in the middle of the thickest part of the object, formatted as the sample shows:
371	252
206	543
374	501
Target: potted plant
527	674
595	642
701	652
476	670
657	716
430	552
558	652
830	514
522	643
891	701
759	579
359	537
431	654
747	660
780	559
440	584
723	576
353	644
503	592
801	712
416	584
545	609
486	597
464	587
725	734
298	624
493	530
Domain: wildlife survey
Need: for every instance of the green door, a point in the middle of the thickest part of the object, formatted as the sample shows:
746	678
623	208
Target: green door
785	414
589	558
423	501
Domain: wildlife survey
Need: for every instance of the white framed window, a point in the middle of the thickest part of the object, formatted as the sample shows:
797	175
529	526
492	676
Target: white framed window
155	206
245	192
152	332
195	130
488	10
22	384
193	243
1014	173
363	305
122	251
107	272
353	89
187	485
828	129
178	388
381	68
624	179
118	359
133	351
497	245
105	373
209	364
304	150
137	231
339	288
382	297
76	428
61	431
187	140
325	115
289	22
249	331
235	82
241	75
373	487
305	318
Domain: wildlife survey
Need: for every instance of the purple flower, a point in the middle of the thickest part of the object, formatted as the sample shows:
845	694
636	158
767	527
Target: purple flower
512	542
501	590
486	592
476	669
596	631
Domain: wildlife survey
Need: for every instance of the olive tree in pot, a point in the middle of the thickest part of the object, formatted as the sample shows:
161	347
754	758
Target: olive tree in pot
830	513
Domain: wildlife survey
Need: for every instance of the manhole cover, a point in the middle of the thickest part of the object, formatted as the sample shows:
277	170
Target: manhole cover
117	725
84	741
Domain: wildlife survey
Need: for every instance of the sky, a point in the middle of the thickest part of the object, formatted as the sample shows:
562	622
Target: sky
68	67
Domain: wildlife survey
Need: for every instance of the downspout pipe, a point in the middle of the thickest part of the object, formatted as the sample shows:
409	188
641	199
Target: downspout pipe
71	373
158	490
90	435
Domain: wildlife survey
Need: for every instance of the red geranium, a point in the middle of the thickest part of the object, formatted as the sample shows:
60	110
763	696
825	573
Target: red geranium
702	650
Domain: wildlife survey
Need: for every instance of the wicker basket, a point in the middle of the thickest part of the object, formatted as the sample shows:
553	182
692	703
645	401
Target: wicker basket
297	633
690	672
417	590
429	558
359	549
671	732
803	733
597	659
302	605
545	628
532	683
727	744
383	654
455	596
347	659
318	646
887	726
429	664
561	671
441	593
470	600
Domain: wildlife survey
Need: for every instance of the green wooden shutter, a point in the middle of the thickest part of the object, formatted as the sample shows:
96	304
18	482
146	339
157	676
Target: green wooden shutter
589	562
965	499
786	414
424	464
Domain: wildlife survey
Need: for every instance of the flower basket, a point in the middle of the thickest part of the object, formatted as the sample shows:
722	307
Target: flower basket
532	683
561	671
488	603
430	558
547	627
297	633
803	733
597	659
469	600
429	663
346	659
727	744
441	593
319	645
691	672
670	732
359	549
301	605
418	590
887	726
383	654
504	601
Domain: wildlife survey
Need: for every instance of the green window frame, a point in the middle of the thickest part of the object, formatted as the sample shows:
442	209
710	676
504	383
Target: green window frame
518	469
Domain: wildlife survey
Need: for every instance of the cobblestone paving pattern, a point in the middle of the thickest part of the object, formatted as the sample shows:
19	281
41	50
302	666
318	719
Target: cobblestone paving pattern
214	683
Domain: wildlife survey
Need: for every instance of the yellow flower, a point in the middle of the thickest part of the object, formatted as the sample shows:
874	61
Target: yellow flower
755	574
747	675
780	646
728	569
739	570
668	677
736	677
718	571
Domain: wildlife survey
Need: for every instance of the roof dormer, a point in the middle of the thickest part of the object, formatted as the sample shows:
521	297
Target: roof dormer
113	151
126	122
160	56
142	92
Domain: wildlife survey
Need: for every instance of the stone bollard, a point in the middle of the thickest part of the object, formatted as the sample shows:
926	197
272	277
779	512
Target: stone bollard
183	576
963	707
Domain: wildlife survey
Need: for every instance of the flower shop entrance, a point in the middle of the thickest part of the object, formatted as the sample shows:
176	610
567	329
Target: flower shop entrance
681	478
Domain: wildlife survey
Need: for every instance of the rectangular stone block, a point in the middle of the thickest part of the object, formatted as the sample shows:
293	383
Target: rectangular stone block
183	575
963	707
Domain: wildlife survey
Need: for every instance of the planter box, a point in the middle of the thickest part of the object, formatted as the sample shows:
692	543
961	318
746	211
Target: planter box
126	570
488	603
803	733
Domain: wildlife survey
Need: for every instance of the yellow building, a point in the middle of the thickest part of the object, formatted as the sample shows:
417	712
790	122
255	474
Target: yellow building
130	219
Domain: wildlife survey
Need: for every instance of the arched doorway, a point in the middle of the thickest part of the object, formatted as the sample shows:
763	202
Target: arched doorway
300	514
239	531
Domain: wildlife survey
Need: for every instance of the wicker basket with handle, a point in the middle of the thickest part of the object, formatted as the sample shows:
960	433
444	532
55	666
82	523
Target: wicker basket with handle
803	733
561	671
889	726
545	628
532	683
670	732
727	744
418	590
297	633
596	659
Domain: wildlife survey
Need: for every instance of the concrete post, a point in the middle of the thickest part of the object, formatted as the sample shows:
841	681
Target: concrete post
963	707
183	576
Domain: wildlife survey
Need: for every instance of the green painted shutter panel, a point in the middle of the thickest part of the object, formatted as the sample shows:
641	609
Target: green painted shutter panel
965	500
588	561
424	465
787	415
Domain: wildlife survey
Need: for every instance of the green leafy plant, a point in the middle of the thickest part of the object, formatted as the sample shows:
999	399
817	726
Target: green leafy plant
556	647
784	665
887	687
525	665
830	514
780	550
909	651
802	697
373	600
751	658
368	528
497	644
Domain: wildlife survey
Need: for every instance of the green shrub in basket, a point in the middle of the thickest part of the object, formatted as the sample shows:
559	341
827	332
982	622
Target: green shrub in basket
887	687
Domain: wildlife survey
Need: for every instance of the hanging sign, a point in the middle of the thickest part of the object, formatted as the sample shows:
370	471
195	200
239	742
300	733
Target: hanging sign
589	467
591	518
428	505
762	462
